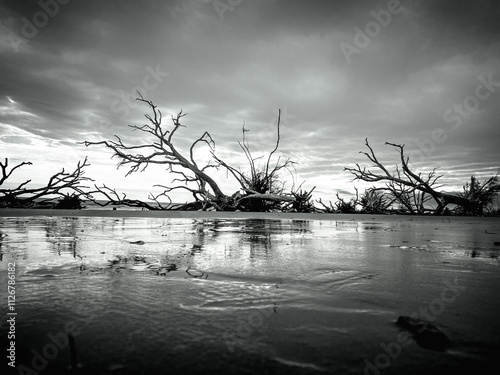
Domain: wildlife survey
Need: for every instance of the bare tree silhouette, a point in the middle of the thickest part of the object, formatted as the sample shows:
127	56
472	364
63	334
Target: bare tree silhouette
262	185
414	189
59	184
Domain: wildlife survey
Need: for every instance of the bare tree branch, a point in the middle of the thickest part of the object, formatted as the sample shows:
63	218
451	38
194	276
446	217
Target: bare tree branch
411	189
261	185
6	174
58	184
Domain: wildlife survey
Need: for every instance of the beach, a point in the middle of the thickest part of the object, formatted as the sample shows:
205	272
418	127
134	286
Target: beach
243	293
124	212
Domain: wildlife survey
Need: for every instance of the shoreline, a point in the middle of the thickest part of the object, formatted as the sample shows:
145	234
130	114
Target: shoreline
162	271
29	212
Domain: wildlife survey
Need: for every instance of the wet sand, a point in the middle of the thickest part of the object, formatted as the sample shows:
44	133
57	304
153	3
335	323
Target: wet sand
21	212
231	292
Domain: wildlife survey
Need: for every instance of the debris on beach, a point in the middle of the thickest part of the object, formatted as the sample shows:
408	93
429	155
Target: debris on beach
162	271
197	274
137	242
120	260
426	334
195	249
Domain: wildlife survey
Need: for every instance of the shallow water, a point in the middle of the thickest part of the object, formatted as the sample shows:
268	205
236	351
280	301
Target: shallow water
146	296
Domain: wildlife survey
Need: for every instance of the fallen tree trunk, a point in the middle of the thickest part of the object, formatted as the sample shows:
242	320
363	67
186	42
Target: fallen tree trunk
58	185
261	186
404	182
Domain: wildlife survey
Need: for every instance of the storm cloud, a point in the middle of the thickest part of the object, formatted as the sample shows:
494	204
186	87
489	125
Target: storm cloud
421	73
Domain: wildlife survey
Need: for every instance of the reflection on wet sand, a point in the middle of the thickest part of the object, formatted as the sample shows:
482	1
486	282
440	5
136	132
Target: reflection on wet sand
249	295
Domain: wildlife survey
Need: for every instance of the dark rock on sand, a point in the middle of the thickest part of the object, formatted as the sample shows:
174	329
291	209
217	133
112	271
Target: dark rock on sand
426	334
137	242
162	271
196	273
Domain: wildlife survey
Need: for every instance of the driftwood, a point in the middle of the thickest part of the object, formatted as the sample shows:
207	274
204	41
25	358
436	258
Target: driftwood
411	189
259	186
58	185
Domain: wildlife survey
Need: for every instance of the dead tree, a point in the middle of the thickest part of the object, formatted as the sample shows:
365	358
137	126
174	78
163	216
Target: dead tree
408	187
411	199
375	201
262	188
341	205
480	194
59	185
349	206
192	177
163	151
329	209
303	201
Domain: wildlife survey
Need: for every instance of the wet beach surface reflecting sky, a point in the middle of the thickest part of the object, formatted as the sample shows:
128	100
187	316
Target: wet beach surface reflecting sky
248	296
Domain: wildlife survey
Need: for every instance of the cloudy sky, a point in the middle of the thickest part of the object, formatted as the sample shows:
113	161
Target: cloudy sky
421	73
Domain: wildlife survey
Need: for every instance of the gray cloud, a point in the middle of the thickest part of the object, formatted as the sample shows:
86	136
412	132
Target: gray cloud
75	78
